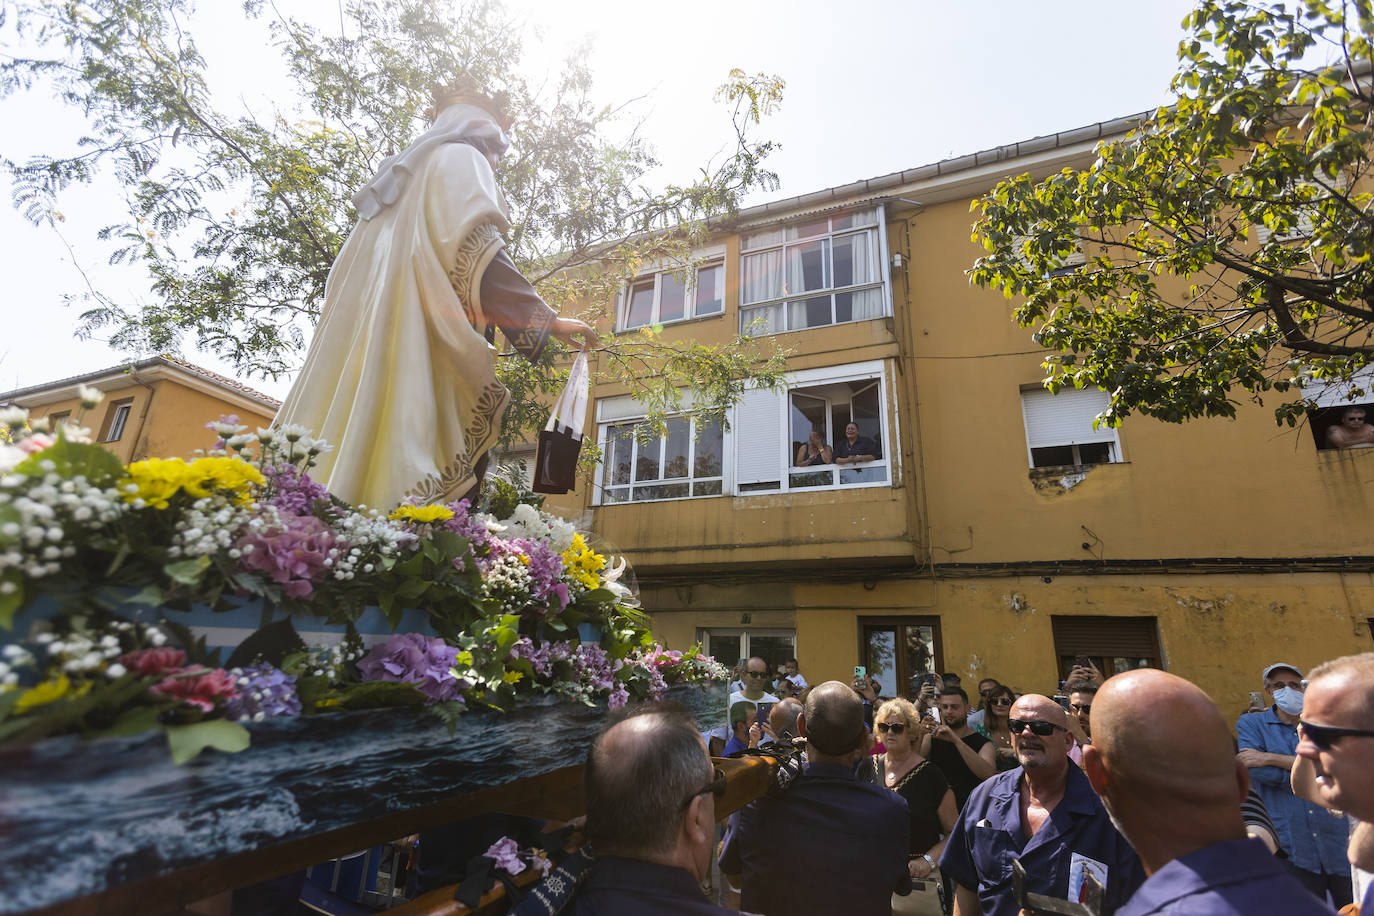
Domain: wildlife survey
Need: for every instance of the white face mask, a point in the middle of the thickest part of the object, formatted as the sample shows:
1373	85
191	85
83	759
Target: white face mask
1289	699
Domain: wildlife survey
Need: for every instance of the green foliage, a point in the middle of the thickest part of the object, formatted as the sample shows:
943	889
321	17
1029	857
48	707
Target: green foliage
246	281
1227	239
186	741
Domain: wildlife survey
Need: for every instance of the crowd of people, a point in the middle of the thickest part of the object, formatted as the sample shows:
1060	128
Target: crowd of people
1131	794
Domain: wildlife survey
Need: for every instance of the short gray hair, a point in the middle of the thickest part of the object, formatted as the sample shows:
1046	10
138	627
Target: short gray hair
635	796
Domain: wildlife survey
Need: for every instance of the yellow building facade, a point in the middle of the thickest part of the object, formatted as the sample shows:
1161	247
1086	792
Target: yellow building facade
153	408
994	533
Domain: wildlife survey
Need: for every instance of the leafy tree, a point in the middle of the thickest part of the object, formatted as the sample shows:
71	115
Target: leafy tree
1227	239
245	281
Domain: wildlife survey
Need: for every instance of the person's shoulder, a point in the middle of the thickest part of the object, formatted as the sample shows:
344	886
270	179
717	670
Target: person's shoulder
1003	783
976	740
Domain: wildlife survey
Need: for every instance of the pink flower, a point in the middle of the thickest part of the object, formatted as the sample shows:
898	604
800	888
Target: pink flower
152	662
36	442
292	555
197	686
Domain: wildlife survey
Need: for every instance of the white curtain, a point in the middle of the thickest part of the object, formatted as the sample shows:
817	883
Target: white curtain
868	303
762	276
808	267
859	249
770	323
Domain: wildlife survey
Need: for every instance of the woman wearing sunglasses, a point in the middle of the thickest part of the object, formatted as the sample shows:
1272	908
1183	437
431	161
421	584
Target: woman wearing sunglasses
930	802
994	726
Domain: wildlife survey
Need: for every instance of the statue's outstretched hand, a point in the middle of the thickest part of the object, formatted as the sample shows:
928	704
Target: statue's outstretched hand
567	329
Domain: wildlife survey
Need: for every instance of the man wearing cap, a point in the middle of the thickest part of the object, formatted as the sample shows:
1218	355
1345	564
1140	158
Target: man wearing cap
1314	840
846	841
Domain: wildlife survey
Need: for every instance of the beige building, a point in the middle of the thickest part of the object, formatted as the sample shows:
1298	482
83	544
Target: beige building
995	533
153	408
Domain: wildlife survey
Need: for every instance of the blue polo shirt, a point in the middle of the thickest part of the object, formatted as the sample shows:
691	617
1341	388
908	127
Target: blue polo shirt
1314	840
829	844
1235	878
988	836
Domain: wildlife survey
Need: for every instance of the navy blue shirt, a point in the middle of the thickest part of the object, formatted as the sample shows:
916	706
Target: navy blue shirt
988	836
1314	840
630	887
1237	877
829	844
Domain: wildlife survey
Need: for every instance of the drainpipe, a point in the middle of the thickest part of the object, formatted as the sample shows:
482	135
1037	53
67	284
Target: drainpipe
143	417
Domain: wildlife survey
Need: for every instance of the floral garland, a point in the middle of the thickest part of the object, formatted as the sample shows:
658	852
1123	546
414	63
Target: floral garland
505	597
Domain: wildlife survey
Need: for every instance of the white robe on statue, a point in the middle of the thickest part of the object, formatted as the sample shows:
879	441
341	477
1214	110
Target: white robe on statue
399	377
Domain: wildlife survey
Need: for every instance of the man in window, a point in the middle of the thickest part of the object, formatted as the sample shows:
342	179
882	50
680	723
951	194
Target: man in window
1352	431
854	448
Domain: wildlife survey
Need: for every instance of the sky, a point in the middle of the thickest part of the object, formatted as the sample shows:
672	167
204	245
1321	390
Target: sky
872	87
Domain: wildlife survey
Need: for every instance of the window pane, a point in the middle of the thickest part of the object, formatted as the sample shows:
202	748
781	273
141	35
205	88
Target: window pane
859	305
619	442
618	495
761	277
641	304
1095	453
710	297
672	298
1052	457
808	313
775	650
679	443
808	230
854	260
850	220
812	479
662	491
808	266
709	449
881	653
808	412
761	239
868	474
761	321
646	462
864	412
707	488
725	648
920	650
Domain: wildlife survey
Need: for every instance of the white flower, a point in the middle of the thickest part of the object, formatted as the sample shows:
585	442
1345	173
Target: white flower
14	417
90	397
116	671
10	455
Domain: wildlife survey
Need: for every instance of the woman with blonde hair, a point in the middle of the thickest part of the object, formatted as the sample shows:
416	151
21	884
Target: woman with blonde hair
929	799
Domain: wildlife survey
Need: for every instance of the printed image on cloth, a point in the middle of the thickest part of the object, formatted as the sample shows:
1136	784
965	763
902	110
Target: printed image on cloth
1080	866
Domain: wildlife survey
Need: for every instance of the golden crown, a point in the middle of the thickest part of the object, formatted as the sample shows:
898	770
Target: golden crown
466	91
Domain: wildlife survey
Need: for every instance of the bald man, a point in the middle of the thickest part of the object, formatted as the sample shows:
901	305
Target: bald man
1336	747
829	844
1163	764
1044	813
651	817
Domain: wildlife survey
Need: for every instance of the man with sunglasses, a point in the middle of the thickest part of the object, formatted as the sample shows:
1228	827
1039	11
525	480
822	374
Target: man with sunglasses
1336	739
1314	840
756	684
651	817
844	842
1043	813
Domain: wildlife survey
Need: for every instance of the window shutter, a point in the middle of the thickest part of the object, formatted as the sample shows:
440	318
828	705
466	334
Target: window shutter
1341	394
609	410
1065	418
1112	636
758	439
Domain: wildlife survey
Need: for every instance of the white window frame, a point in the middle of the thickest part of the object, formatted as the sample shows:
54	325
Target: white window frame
1107	435
601	488
118	422
704	635
752	311
704	261
875	370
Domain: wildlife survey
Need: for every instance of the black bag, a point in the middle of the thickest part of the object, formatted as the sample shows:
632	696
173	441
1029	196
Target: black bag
560	441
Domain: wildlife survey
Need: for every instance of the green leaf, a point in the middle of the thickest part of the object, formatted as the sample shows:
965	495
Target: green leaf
449	713
98	465
186	741
148	596
132	722
11	603
380	694
187	572
7	700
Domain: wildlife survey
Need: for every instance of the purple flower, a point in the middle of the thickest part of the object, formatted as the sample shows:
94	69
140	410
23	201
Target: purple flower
292	554
263	692
506	853
464	524
414	658
293	492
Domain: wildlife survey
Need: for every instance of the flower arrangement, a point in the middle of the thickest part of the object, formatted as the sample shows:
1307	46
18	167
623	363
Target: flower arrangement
93	538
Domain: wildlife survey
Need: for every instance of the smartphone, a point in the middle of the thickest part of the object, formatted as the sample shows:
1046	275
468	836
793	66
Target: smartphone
1062	701
932	679
935	713
1081	661
764	709
860	673
1256	699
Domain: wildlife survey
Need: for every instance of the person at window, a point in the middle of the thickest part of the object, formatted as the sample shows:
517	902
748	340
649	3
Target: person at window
1352	431
854	448
1314	840
931	808
994	725
1044	813
815	451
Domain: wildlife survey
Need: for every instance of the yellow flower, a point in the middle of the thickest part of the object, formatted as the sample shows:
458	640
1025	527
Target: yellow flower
583	564
510	677
421	513
234	476
153	480
47	692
